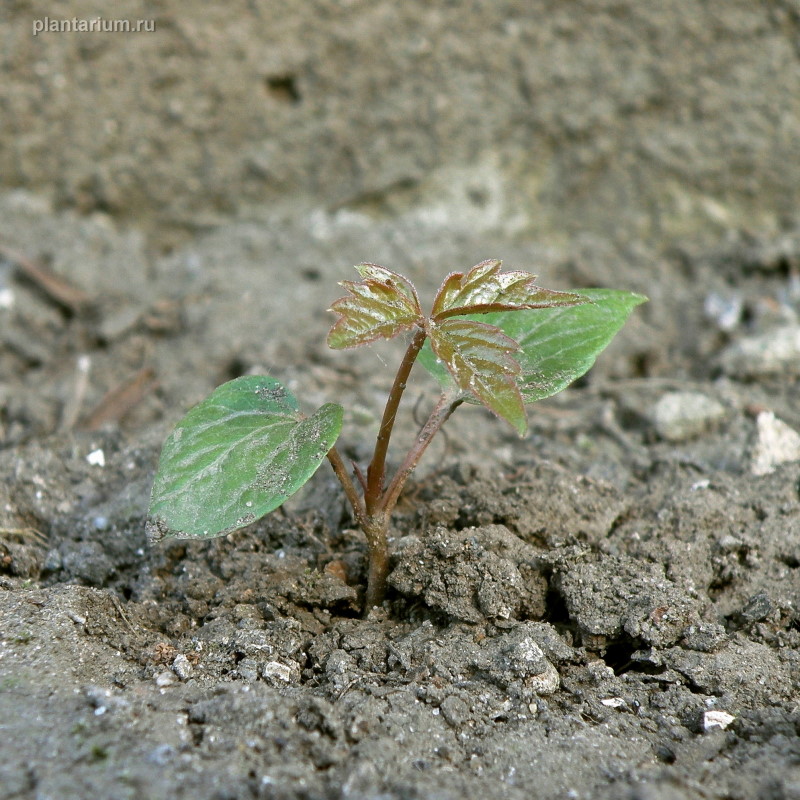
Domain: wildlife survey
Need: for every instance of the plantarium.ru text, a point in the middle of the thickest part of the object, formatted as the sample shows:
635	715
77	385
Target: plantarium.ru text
492	337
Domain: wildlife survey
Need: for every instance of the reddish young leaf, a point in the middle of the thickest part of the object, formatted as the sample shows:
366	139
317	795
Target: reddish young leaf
479	357
380	306
485	288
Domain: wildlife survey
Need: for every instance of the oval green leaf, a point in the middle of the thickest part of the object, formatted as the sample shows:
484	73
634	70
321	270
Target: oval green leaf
558	345
236	456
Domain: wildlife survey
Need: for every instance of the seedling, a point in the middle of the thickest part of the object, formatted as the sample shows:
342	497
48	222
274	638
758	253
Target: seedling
493	338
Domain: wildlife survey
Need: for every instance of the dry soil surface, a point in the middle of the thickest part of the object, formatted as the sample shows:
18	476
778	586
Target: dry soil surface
609	608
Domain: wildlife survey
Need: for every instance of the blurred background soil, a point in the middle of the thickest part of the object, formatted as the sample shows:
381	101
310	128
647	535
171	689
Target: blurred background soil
606	609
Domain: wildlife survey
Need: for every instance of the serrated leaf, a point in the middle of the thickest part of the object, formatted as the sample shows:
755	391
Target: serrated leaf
235	456
479	357
558	345
486	289
379	307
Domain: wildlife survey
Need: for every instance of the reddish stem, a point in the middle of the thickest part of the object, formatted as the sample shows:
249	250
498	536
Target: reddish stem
347	484
440	414
377	467
372	512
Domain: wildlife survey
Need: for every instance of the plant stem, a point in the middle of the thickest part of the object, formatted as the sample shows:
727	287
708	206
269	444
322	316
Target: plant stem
376	524
375	528
440	414
372	512
377	467
349	488
378	571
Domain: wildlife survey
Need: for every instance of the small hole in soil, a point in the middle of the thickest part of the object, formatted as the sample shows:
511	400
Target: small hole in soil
283	88
311	275
556	613
619	656
717	587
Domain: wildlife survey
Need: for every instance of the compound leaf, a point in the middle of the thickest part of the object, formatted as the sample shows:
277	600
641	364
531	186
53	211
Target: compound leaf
486	289
479	357
235	456
557	345
380	306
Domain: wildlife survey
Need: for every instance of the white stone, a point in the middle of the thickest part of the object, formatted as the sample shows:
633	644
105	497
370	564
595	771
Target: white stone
275	671
546	682
716	719
97	458
164	679
776	443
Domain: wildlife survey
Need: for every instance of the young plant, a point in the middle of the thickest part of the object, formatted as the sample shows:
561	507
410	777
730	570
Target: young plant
493	338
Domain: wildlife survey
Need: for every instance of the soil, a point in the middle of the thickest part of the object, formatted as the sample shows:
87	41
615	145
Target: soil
608	608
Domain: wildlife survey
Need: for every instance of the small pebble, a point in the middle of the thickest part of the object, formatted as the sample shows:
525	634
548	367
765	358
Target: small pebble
275	671
776	352
776	443
716	719
52	561
182	667
248	669
164	679
757	608
600	671
97	458
725	309
679	416
161	755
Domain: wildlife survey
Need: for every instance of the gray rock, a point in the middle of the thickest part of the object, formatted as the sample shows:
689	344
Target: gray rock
775	352
454	710
678	416
247	669
182	667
